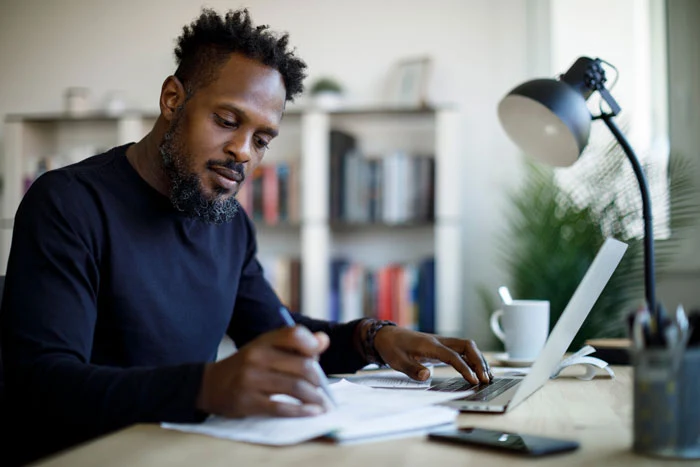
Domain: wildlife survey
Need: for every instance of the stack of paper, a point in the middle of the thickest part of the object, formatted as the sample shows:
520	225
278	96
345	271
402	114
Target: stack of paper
363	413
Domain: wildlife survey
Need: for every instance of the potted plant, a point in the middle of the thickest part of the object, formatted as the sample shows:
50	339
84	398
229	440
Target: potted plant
326	93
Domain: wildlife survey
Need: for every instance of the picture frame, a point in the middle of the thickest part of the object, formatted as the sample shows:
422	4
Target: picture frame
409	83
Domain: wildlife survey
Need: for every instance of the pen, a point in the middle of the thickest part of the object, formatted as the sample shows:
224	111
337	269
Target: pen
289	321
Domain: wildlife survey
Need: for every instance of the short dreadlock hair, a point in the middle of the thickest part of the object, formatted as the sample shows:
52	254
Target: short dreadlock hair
209	41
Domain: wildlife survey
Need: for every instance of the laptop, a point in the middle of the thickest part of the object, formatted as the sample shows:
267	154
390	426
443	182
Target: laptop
505	393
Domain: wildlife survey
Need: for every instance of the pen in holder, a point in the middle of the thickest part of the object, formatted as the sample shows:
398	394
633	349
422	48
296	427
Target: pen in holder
667	399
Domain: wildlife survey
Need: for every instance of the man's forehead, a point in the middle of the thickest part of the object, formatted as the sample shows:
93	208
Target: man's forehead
242	78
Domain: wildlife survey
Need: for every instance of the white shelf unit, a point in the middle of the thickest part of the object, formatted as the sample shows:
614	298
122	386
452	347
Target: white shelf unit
304	136
66	139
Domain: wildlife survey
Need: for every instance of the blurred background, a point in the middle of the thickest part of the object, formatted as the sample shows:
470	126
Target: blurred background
393	191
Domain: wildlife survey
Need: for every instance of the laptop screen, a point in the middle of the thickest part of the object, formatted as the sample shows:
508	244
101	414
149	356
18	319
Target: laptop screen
570	321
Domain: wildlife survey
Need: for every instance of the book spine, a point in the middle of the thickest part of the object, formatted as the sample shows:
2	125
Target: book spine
257	193
270	195
283	197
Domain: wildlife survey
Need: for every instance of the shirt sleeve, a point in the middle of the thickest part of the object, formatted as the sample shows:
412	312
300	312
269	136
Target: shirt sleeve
257	311
49	311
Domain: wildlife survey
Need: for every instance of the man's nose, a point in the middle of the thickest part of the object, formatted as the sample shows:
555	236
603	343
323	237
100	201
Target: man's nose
239	148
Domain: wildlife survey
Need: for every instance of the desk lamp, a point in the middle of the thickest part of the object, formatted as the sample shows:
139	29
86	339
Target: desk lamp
548	119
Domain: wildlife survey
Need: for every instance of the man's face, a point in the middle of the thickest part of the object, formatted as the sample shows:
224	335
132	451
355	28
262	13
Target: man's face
219	137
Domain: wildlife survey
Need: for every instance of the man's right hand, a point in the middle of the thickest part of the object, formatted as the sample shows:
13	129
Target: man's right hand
277	362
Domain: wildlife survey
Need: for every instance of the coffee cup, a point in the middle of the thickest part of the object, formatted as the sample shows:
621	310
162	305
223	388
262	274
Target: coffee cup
523	327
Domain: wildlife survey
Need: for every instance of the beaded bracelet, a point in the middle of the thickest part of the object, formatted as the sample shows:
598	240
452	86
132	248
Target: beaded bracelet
368	342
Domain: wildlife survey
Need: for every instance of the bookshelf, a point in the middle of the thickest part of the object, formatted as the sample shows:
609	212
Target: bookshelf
315	238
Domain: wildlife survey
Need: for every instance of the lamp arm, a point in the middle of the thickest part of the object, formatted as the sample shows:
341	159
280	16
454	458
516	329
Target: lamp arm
649	283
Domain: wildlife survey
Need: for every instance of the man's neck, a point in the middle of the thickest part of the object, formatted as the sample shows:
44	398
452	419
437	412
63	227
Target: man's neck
145	158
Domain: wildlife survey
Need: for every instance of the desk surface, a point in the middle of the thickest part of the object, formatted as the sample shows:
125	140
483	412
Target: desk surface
596	413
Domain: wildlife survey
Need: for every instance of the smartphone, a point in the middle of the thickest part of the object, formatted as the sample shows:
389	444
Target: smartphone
516	443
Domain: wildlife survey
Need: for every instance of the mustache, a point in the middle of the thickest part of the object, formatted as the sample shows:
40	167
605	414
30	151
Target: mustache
229	164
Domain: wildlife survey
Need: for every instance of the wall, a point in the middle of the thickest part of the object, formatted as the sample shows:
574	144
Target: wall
620	33
681	285
481	49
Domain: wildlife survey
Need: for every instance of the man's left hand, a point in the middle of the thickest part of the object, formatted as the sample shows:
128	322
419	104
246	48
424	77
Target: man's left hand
403	350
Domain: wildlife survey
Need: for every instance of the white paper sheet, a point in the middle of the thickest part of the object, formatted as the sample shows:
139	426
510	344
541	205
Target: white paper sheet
410	423
358	406
390	379
500	372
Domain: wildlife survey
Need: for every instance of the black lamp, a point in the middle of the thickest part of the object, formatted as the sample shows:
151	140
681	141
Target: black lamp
549	119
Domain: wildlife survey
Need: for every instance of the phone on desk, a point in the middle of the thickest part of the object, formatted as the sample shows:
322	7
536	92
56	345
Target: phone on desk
516	443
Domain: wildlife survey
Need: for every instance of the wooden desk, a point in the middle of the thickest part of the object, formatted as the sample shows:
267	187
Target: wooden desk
596	413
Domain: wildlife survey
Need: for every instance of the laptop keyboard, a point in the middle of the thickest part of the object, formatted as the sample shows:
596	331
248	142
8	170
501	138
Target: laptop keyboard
484	392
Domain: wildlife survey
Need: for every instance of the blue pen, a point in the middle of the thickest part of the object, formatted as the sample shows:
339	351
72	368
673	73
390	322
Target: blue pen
289	321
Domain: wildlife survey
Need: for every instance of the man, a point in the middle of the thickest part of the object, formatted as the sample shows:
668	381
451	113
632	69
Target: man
127	269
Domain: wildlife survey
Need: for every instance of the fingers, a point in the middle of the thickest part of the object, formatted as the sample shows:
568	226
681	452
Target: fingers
323	341
292	365
476	360
279	383
412	368
277	408
472	355
298	340
449	356
280	362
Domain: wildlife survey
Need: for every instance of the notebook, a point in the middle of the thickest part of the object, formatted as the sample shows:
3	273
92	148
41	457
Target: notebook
363	413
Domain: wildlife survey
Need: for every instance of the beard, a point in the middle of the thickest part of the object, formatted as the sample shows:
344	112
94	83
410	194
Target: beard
186	191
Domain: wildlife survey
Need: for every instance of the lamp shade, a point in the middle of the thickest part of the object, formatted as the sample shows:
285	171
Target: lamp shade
547	119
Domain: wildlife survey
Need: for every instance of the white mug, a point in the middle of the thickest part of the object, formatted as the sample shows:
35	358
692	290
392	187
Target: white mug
525	327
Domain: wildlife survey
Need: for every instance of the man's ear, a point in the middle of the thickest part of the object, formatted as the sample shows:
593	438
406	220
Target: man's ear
172	96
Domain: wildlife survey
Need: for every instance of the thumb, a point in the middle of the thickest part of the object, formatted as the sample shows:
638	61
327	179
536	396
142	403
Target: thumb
323	341
413	369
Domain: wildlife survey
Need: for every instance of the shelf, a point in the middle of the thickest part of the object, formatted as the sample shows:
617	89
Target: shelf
341	226
382	110
281	226
99	115
96	116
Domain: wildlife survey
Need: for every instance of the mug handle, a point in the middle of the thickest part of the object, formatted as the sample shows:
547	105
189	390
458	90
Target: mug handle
496	326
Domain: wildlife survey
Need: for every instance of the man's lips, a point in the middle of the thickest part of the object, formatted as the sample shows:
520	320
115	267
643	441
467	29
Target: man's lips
226	178
227	173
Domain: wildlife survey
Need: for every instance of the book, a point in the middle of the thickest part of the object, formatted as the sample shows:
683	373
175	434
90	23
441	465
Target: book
270	194
283	194
426	296
341	143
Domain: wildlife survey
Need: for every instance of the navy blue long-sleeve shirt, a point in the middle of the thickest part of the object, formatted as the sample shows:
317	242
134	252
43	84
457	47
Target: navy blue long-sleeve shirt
114	301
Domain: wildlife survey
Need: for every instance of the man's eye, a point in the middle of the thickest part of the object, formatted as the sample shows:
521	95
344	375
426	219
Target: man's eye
262	144
226	123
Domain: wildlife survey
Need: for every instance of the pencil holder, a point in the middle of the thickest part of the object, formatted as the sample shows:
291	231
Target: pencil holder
667	403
